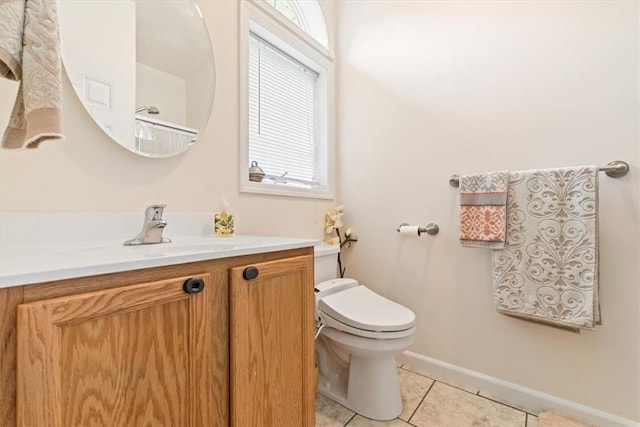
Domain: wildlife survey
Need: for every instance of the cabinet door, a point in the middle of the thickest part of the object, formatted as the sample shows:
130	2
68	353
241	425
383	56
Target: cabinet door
272	375
128	356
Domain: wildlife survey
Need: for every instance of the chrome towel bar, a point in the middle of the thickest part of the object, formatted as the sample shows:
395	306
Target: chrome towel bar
615	169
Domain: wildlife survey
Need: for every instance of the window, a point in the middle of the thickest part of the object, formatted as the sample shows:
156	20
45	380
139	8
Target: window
288	10
305	14
286	84
283	115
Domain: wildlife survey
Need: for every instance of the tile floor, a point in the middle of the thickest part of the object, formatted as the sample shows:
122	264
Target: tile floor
430	403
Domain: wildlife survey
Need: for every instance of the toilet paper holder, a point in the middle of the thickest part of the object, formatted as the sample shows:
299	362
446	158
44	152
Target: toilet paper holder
431	228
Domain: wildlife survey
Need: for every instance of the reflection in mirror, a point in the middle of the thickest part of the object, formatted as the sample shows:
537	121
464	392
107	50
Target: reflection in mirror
143	69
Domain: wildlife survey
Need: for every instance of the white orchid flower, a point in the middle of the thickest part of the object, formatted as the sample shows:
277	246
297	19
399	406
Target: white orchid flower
331	240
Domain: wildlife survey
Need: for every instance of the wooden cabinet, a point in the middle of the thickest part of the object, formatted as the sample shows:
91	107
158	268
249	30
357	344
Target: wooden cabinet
81	357
133	348
272	378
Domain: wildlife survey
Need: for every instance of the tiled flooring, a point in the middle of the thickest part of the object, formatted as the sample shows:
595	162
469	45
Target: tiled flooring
430	403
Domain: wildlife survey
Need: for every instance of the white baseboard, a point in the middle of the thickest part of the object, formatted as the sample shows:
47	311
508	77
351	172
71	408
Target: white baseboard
532	401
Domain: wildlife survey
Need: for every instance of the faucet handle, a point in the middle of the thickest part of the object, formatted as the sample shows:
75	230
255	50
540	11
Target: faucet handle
154	212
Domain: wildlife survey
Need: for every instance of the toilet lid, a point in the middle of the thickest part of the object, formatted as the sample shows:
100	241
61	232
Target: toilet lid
364	309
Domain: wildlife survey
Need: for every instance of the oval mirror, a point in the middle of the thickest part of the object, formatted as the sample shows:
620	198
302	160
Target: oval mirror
143	69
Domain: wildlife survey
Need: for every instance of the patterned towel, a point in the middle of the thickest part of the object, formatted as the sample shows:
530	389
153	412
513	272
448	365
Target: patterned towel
483	200
548	269
30	52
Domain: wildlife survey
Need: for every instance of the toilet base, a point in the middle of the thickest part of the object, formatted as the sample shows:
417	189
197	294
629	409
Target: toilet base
372	388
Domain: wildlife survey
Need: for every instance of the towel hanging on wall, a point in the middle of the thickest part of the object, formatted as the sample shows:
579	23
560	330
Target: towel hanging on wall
483	205
30	52
548	269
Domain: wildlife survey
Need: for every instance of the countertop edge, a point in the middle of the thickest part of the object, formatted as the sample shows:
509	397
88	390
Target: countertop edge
35	277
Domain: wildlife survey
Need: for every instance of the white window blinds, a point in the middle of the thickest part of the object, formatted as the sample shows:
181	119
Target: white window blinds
283	116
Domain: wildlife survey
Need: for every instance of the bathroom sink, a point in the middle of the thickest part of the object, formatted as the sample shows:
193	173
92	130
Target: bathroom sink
203	246
180	247
111	249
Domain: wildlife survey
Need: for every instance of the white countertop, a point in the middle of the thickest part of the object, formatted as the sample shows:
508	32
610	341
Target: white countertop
38	247
35	263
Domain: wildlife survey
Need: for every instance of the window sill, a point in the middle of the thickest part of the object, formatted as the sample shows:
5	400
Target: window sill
282	190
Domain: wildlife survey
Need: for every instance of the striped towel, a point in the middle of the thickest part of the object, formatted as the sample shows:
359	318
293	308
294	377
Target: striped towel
483	207
548	269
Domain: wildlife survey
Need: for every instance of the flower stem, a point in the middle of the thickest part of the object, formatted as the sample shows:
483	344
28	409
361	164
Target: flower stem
340	269
348	240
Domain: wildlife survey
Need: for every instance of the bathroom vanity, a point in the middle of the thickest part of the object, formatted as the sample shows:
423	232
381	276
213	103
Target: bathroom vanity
195	337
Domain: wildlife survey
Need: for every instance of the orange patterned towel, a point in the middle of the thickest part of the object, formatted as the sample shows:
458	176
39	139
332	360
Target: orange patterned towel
483	208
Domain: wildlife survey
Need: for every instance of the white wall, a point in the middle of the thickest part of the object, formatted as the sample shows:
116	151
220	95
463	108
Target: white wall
90	173
197	101
428	89
171	100
99	55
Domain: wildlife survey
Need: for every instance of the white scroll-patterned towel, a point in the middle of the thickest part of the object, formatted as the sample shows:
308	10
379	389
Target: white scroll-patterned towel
30	52
548	269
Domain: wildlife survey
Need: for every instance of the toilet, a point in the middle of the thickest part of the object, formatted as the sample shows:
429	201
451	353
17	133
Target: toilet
359	333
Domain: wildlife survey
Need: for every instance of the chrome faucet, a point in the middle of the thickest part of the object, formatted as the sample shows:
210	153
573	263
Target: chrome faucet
152	228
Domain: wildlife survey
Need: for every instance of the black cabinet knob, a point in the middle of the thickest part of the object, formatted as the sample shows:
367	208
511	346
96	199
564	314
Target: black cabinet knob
250	273
193	285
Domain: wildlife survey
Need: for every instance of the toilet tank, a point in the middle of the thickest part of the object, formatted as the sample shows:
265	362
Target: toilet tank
325	263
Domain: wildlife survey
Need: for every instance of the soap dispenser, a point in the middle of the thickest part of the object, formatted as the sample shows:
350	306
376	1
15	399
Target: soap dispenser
223	220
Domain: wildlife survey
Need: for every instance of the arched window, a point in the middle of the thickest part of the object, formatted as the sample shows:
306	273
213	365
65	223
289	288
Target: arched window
286	84
306	15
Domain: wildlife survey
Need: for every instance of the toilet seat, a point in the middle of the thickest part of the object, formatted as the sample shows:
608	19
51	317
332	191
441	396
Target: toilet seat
342	327
360	311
